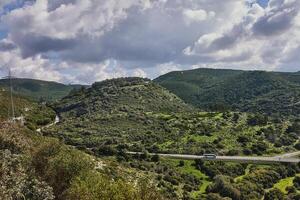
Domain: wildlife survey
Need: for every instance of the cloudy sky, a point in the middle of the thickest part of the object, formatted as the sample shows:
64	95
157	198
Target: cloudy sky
82	41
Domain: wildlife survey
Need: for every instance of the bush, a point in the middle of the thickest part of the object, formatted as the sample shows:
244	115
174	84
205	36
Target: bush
155	158
17	182
274	194
65	166
58	165
181	163
106	151
93	185
224	187
296	182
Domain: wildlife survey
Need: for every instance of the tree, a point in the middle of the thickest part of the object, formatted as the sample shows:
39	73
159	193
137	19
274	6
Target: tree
259	148
296	182
224	186
155	158
181	163
274	194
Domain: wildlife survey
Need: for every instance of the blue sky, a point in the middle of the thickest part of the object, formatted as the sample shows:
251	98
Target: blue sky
263	3
81	41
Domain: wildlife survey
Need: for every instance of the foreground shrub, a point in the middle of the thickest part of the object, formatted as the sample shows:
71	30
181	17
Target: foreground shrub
92	185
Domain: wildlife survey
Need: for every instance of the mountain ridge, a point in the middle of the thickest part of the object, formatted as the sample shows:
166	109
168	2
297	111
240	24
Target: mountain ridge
38	90
235	89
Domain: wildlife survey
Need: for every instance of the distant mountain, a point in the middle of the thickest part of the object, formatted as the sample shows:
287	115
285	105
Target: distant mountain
253	91
38	89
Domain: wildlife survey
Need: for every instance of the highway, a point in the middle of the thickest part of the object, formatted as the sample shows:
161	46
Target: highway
285	158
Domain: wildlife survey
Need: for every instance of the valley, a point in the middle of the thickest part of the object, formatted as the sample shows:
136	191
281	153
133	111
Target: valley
101	124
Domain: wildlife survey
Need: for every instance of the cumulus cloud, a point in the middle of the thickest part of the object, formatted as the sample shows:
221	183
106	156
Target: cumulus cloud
84	40
263	37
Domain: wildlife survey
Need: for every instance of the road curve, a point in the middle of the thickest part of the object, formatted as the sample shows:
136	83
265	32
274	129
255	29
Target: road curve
57	120
289	155
240	159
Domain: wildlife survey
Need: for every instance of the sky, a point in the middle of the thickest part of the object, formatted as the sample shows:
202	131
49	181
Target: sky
83	41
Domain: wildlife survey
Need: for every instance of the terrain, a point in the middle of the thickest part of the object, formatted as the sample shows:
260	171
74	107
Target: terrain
133	114
37	167
272	93
38	90
85	155
35	115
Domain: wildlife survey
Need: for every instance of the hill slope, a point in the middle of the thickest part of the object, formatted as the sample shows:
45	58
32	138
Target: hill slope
133	95
254	91
38	89
136	114
35	115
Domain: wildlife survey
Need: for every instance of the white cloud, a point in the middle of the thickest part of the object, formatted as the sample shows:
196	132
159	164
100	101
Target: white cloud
139	73
37	67
191	16
85	40
263	38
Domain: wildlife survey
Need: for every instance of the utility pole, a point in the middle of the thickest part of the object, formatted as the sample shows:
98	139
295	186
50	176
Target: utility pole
10	77
10	115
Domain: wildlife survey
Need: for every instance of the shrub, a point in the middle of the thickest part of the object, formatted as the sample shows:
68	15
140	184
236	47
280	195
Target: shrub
93	185
274	194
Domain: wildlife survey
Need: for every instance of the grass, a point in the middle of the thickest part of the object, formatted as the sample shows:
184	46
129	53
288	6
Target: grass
240	178
201	190
284	183
188	168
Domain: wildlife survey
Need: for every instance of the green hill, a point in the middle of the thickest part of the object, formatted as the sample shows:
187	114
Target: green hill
138	115
251	91
119	96
35	115
38	89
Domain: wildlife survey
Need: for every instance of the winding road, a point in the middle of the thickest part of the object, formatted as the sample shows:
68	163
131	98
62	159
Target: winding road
285	158
47	126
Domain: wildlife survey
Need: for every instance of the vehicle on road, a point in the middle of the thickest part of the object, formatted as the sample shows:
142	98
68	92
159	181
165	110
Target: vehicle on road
209	156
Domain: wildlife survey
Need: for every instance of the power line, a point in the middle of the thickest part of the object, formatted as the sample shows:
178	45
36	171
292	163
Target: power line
11	94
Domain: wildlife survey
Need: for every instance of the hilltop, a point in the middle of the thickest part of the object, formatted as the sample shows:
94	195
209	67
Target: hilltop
248	91
123	95
38	89
117	111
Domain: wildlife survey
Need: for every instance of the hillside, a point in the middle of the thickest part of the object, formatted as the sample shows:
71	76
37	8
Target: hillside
36	167
38	89
136	114
251	91
35	115
120	96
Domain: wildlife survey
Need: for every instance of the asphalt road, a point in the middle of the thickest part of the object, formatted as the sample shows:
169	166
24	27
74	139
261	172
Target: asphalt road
286	158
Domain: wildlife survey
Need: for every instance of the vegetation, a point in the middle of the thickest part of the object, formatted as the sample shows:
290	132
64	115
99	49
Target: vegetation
137	115
114	116
128	114
38	90
273	93
35	115
35	167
